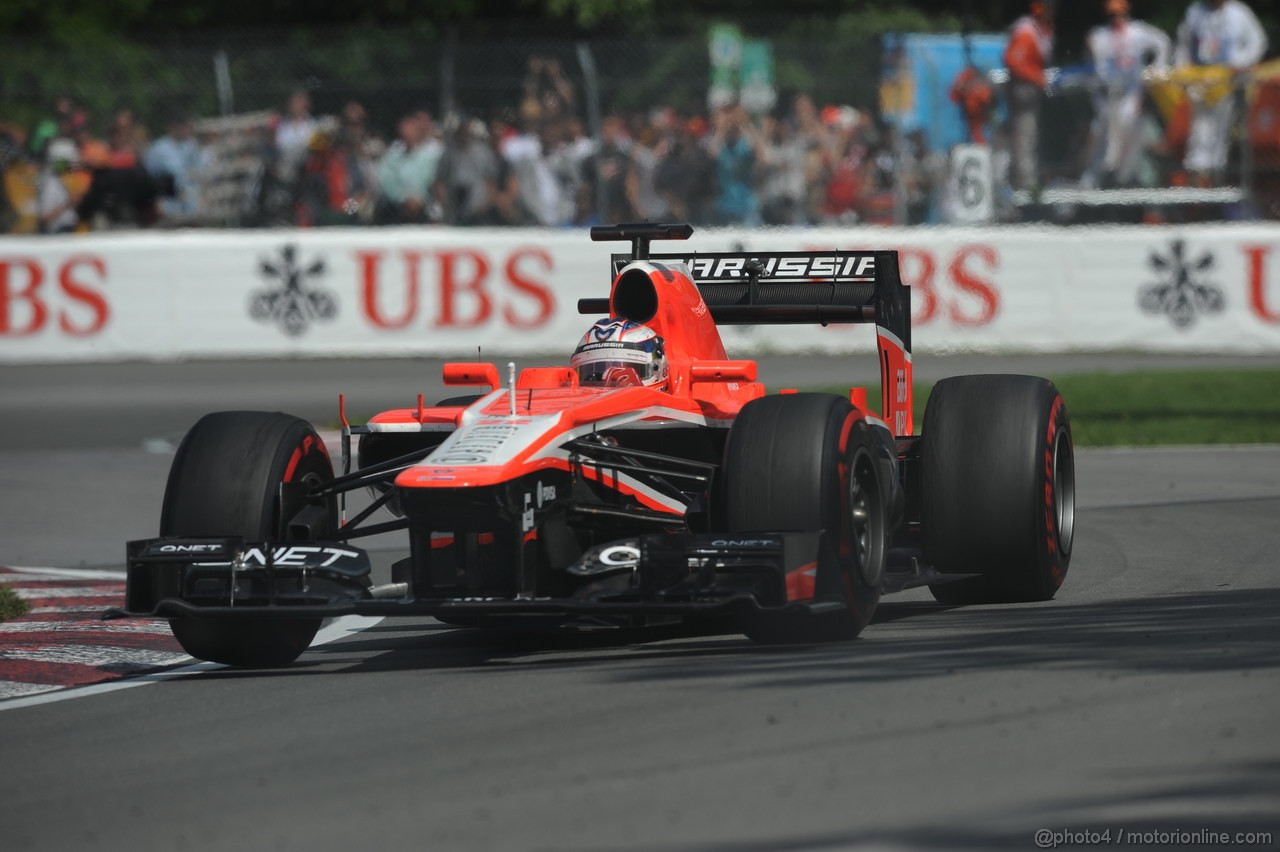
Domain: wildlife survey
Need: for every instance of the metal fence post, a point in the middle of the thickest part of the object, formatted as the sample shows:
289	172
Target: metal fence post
899	175
1240	93
448	63
591	82
222	78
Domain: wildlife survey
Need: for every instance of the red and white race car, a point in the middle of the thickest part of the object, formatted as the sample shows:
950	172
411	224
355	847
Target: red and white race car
651	477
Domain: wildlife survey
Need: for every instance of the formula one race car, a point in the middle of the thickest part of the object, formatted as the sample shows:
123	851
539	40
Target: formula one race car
652	478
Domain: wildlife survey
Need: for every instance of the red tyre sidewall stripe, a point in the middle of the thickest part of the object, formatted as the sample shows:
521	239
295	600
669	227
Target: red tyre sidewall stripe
1050	517
308	443
844	471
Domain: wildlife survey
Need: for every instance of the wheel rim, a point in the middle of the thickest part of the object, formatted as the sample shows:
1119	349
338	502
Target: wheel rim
866	520
1064	490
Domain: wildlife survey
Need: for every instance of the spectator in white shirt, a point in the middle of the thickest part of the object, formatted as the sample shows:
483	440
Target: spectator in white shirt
56	204
295	130
540	195
1121	51
1216	32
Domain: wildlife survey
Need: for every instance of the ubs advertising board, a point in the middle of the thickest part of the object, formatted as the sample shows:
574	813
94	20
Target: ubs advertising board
445	291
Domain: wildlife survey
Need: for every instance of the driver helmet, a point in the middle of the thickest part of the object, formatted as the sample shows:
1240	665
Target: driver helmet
619	353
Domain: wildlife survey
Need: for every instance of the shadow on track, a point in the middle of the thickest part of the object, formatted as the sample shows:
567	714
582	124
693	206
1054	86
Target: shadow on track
1205	631
1201	805
1231	629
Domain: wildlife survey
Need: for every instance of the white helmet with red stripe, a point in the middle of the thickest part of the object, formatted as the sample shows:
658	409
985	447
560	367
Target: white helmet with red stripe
618	352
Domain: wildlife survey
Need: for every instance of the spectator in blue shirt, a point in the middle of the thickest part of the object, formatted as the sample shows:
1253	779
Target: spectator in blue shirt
735	147
407	172
174	160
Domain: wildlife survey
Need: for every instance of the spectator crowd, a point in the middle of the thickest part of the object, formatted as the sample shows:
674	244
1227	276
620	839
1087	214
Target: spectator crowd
535	163
532	164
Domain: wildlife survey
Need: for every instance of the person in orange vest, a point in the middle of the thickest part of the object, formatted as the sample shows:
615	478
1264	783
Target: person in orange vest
1028	53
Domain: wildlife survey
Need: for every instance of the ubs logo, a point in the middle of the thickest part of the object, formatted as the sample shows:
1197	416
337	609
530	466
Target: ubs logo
290	299
1183	290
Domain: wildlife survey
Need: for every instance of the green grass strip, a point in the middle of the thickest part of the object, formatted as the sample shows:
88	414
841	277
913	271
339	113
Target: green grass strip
1156	407
1153	407
11	606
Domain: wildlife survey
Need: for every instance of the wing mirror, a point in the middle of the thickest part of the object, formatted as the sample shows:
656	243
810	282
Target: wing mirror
723	371
471	373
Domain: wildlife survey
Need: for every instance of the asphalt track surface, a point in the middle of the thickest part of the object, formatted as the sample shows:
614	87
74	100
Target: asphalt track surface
1144	697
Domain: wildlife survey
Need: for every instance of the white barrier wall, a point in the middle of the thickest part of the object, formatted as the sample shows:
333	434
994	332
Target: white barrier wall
407	291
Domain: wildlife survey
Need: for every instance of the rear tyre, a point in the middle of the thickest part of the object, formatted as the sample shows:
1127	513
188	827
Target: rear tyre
225	481
998	488
805	462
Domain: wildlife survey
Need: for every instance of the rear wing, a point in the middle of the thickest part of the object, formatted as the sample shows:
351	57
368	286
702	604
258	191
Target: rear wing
792	287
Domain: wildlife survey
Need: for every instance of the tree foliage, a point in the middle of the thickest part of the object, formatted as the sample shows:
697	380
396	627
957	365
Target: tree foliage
80	18
78	22
157	55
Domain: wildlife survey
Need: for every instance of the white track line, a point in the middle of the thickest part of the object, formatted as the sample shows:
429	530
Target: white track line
32	695
11	689
157	627
96	655
35	593
91	612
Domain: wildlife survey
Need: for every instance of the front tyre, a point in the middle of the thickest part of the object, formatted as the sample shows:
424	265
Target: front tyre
225	481
998	488
803	462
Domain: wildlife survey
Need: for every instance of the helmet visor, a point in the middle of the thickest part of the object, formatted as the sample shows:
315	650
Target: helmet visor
615	374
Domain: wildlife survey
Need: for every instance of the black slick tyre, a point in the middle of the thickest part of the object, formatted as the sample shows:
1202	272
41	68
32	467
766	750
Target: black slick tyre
225	481
799	462
997	488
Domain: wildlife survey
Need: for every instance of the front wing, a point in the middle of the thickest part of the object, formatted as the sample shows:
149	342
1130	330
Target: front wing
659	574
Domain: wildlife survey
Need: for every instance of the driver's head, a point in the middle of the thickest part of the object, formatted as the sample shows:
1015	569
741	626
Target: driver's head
618	353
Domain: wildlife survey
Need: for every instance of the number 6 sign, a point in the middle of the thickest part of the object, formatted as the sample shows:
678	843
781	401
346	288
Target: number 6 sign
969	185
